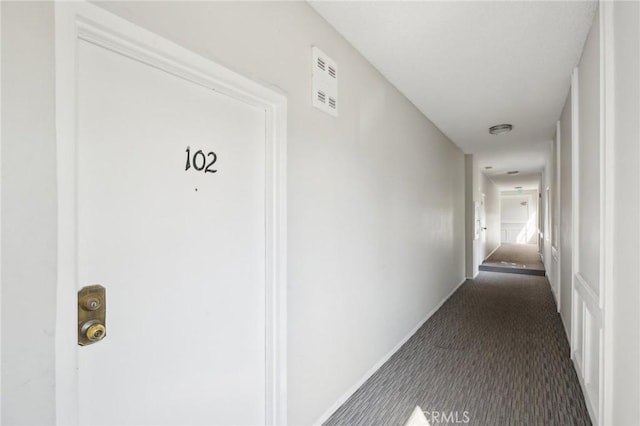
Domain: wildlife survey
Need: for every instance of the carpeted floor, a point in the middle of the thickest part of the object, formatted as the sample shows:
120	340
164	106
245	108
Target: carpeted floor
518	253
495	350
515	258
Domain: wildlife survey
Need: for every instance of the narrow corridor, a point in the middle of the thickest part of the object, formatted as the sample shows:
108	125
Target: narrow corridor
495	353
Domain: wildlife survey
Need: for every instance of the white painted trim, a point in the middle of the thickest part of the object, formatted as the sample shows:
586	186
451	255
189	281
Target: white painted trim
80	20
1	286
575	196
607	203
585	393
589	297
555	276
325	416
578	352
556	231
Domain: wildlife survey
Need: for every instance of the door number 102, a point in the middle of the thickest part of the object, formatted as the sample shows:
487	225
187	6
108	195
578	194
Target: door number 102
201	161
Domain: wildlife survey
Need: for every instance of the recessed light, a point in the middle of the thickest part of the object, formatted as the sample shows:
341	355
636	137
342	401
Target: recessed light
500	129
518	187
488	167
513	172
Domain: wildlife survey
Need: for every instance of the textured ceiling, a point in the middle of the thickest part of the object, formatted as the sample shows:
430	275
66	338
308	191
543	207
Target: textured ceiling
470	65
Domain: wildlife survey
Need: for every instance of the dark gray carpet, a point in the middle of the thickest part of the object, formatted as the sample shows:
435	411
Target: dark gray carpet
495	349
516	259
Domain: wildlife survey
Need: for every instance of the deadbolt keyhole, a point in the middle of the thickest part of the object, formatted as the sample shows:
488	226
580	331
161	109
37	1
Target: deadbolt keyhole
92	303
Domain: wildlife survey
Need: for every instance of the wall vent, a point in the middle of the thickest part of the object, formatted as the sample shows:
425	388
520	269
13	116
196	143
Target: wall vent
324	82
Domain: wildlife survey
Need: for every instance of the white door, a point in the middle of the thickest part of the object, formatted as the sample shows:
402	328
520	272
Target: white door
171	220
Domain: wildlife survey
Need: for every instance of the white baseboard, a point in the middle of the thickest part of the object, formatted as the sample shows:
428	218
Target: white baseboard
567	331
494	250
323	418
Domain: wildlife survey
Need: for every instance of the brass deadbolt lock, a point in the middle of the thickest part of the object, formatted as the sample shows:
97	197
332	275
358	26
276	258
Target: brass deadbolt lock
91	315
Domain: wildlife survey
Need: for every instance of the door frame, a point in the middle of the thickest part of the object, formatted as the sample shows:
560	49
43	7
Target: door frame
82	21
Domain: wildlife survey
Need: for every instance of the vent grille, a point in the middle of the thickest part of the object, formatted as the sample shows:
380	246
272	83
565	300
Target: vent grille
324	88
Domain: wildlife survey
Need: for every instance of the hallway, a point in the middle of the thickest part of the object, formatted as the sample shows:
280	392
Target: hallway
496	349
300	196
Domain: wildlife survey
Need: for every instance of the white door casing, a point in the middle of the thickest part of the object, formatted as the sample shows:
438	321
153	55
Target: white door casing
86	29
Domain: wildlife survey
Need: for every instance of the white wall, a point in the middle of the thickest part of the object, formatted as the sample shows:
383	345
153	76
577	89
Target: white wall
469	177
28	213
376	198
565	226
588	208
471	244
514	221
625	291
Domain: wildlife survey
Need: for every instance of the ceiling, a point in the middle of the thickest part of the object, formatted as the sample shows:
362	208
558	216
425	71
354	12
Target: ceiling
470	65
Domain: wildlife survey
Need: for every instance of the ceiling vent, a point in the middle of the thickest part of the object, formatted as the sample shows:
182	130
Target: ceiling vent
325	82
513	172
